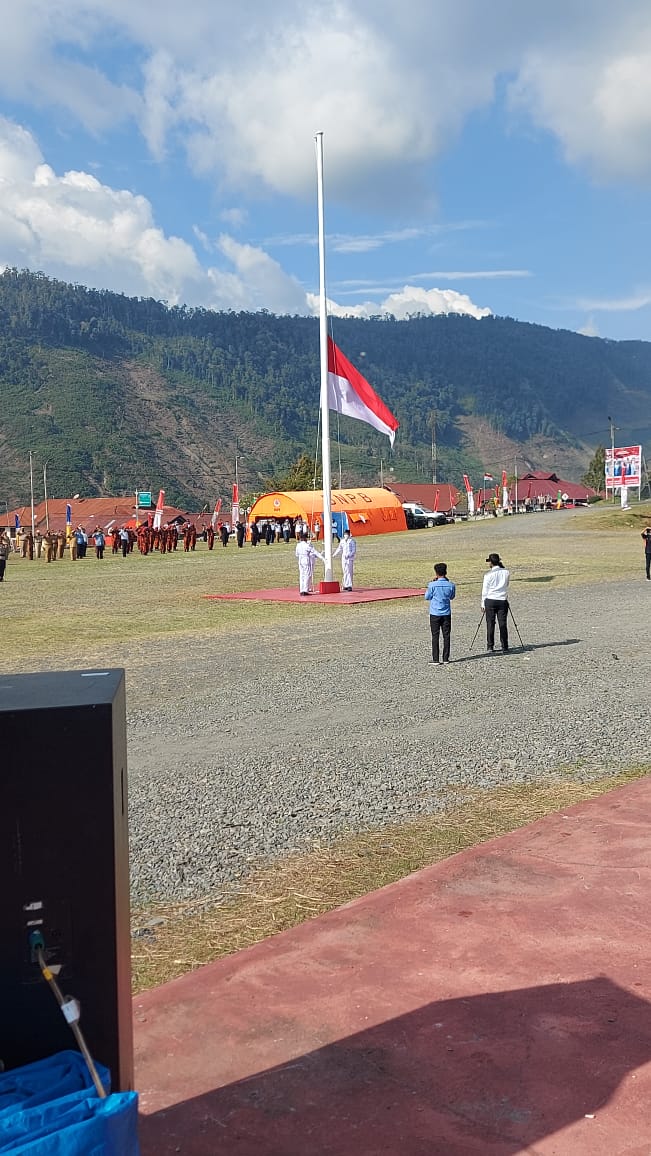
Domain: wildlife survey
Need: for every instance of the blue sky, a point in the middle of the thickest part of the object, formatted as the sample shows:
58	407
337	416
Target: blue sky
478	158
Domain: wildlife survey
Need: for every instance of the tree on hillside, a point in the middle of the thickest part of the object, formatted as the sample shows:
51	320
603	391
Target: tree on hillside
595	473
301	475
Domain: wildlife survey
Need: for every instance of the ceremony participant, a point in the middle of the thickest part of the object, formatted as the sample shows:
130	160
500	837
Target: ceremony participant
240	530
495	602
224	533
100	543
646	535
439	594
5	546
348	549
306	553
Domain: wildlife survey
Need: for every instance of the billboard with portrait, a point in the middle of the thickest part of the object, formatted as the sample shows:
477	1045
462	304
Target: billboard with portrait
623	467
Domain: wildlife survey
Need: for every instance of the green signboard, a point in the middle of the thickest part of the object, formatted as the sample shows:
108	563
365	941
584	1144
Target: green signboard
144	499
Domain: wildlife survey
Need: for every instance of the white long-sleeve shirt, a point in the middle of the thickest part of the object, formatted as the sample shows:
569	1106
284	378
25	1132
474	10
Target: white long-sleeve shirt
495	585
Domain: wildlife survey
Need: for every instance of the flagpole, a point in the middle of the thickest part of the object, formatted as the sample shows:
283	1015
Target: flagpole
323	344
31	488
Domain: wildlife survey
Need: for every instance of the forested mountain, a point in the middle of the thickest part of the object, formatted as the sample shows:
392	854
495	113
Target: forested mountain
116	393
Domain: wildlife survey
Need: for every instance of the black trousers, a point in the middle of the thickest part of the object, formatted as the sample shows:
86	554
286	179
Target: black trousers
647	559
440	623
497	608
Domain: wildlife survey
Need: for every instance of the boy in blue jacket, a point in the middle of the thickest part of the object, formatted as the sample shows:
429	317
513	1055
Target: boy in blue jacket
439	594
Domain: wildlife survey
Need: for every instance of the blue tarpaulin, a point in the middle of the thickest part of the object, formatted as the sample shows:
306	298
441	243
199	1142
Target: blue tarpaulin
51	1108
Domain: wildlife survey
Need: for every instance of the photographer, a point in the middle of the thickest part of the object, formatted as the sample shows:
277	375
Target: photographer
439	594
494	602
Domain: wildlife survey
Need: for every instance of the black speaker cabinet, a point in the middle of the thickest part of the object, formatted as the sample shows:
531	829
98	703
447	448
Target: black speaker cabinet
64	869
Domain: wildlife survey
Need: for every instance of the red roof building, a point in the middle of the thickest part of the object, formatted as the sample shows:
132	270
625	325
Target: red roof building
424	494
86	512
540	485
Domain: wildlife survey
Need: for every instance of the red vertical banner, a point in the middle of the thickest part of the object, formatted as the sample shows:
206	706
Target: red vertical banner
436	501
235	513
215	513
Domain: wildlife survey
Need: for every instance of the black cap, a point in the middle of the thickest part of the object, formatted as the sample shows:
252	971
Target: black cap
494	560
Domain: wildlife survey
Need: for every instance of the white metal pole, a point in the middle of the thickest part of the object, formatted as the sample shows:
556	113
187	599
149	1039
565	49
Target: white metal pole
323	336
47	515
515	465
31	487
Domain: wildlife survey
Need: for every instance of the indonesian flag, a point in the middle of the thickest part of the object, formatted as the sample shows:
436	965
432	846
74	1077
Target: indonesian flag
505	491
215	513
488	477
235	512
436	501
467	484
158	513
350	394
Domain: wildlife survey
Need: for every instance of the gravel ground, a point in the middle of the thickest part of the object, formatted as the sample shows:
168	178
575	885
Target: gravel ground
283	739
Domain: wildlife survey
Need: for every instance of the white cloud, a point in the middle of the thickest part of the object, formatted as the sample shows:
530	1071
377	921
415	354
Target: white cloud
76	228
590	329
244	87
409	302
627	304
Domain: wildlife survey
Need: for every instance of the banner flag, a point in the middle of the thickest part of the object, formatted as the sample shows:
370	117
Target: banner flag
505	491
16	522
215	513
436	501
471	503
467	484
235	513
158	515
350	394
488	477
68	514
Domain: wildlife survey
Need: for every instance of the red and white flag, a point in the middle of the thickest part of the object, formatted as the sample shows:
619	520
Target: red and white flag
235	512
467	483
505	491
158	513
350	394
215	513
436	501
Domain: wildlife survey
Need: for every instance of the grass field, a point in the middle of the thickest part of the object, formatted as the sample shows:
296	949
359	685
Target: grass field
90	613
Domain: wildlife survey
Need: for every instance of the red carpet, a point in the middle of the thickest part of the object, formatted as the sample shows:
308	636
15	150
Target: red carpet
291	594
494	1004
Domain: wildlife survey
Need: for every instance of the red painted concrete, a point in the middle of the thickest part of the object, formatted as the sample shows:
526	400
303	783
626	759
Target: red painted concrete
496	1003
284	594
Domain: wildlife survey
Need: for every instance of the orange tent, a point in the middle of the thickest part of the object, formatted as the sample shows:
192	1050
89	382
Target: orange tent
372	511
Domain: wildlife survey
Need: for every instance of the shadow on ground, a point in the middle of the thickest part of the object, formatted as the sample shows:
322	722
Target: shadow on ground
492	655
491	1074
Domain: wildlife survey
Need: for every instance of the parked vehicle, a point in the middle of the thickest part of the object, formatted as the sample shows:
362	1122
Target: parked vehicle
417	517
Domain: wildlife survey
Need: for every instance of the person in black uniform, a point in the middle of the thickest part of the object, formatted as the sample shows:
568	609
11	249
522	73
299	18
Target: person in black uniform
646	534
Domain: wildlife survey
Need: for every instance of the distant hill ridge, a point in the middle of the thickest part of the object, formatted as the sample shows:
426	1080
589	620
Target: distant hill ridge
116	393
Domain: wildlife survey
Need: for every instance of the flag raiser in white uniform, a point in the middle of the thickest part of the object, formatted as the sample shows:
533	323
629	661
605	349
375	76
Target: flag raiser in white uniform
350	394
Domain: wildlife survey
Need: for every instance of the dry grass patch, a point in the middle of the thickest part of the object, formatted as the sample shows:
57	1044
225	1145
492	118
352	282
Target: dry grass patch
299	887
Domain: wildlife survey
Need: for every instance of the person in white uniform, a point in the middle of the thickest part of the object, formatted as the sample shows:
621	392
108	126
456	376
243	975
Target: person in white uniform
495	602
348	549
306	555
